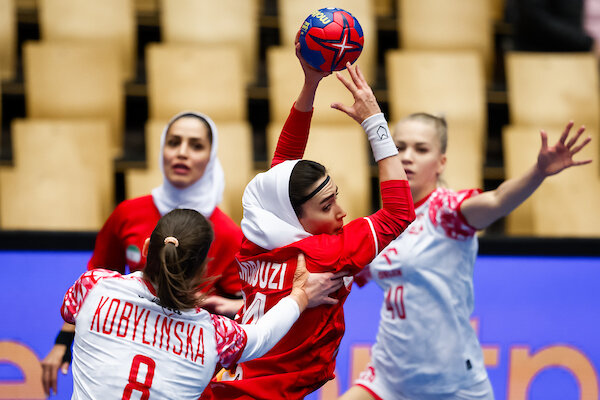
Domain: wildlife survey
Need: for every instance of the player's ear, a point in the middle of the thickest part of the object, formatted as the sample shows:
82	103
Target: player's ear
145	247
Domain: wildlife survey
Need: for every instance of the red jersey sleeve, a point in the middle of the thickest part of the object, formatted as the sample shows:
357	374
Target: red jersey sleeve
108	250
397	213
231	340
363	277
228	240
444	211
77	293
293	137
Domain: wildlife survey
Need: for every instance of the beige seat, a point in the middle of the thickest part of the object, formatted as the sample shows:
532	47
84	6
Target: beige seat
549	89
285	79
146	7
384	8
565	204
447	25
107	21
26	5
74	80
450	84
214	23
497	9
186	76
8	39
292	14
343	149
235	154
62	178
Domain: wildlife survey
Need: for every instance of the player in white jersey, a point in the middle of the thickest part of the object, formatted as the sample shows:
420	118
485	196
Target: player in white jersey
426	348
143	336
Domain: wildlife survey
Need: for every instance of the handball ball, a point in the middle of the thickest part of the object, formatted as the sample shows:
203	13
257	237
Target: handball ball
329	38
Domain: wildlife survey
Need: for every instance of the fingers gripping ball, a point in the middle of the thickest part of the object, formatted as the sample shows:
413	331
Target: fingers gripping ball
329	38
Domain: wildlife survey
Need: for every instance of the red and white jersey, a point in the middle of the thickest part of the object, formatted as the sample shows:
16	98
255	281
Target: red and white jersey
425	336
128	346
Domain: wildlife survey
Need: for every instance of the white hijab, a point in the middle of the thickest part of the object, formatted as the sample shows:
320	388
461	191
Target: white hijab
269	220
204	194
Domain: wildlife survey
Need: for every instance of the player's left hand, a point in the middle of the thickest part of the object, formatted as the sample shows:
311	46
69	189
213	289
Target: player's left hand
552	160
51	364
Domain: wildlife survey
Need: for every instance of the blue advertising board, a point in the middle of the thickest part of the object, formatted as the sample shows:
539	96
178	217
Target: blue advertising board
538	320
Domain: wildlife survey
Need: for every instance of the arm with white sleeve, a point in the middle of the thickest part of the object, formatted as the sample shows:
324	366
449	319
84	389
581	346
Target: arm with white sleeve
482	210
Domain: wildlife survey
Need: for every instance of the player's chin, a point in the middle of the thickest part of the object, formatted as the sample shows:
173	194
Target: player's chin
338	227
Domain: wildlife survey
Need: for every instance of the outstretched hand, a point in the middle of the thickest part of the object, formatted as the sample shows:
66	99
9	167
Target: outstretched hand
365	103
552	160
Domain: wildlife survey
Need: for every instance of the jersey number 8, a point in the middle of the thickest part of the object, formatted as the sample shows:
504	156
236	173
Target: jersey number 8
134	384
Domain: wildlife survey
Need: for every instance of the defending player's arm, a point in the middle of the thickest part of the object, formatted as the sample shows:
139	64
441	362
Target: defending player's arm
480	211
294	134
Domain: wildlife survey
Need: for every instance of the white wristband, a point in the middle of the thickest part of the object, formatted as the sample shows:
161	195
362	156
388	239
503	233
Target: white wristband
379	136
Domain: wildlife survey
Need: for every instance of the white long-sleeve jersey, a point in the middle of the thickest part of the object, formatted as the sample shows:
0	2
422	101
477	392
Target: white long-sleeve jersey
127	345
425	343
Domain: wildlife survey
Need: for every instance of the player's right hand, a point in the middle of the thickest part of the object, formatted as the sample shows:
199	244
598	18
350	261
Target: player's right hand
50	366
299	284
311	75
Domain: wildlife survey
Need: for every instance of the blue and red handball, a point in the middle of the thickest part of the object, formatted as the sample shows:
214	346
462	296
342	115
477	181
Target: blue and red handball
329	38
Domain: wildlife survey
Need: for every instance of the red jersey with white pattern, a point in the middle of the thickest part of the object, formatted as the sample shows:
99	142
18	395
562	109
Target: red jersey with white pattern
128	346
122	237
425	336
305	358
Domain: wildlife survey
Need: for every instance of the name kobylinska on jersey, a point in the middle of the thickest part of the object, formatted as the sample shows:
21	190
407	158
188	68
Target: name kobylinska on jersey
125	320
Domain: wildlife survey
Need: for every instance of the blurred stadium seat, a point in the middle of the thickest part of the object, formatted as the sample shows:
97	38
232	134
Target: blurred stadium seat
450	84
549	89
8	39
443	25
62	178
209	80
230	23
108	21
74	80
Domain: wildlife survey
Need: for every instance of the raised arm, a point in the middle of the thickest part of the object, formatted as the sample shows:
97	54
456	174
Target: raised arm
366	112
398	208
480	211
294	134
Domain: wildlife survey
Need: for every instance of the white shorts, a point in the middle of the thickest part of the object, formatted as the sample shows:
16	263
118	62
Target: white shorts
380	389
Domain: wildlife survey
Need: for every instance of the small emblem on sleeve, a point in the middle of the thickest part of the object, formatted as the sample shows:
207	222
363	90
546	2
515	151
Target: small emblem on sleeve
382	132
133	254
